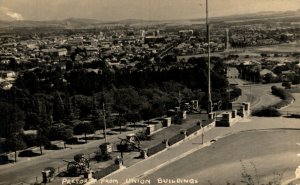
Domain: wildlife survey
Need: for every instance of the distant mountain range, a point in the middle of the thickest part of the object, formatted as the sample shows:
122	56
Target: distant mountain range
92	23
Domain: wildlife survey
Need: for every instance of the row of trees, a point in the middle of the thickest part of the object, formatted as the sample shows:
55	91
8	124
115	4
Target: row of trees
49	100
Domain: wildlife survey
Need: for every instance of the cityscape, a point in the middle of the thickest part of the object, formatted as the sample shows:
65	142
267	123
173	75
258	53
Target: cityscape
148	92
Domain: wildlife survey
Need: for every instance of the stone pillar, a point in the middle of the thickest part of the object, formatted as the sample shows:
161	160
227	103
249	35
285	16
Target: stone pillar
212	115
46	176
247	108
168	121
199	123
226	119
243	112
150	129
144	153
119	162
88	174
234	113
184	115
166	142
184	133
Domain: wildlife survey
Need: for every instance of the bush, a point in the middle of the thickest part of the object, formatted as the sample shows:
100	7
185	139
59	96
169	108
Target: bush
235	93
60	132
30	140
192	130
52	147
14	143
267	112
106	171
176	139
28	153
156	149
286	97
84	128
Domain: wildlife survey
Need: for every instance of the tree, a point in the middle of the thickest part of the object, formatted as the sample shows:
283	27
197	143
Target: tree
133	117
41	141
11	119
32	121
84	128
58	108
60	132
14	143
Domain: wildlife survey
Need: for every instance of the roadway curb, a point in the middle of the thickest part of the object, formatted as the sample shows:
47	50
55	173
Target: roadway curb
171	161
188	138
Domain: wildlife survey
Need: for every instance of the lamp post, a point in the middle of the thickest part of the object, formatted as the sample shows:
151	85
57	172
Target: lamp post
104	121
202	133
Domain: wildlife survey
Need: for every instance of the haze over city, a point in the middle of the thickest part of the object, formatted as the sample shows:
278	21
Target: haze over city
108	10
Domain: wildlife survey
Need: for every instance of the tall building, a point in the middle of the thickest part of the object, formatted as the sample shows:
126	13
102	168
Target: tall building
227	44
143	33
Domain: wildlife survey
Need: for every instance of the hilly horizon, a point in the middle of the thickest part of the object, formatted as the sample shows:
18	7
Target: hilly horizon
83	22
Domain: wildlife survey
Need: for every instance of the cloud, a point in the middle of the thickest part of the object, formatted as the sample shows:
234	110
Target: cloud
11	13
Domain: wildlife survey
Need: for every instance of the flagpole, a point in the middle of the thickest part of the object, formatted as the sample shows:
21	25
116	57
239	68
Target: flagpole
209	106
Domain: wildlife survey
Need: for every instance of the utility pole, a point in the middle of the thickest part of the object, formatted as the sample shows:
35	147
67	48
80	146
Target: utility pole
104	121
202	133
179	99
209	103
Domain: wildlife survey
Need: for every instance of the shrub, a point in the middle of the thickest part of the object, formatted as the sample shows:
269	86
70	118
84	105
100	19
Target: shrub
192	130
14	143
30	140
156	149
28	153
176	139
106	171
60	132
286	97
52	147
267	112
84	128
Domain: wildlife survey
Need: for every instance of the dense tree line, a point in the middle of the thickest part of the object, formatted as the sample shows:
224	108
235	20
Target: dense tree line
49	100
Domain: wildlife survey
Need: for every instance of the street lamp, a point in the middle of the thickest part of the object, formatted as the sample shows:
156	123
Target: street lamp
202	132
104	121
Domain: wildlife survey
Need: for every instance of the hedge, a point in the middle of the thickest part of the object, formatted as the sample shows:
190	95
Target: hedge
176	139
207	122
286	97
106	171
156	149
192	130
267	112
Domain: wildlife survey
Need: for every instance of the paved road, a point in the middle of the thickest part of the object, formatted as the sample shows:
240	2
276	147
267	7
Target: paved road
26	171
259	95
295	107
269	151
270	143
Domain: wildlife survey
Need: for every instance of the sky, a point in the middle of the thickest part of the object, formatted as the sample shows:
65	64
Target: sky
108	10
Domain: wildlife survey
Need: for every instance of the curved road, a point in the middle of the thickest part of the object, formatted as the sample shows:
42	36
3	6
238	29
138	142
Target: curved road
259	95
267	151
